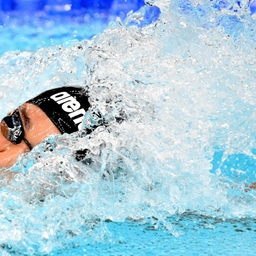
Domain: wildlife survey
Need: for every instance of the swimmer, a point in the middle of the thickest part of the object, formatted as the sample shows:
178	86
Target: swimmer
55	111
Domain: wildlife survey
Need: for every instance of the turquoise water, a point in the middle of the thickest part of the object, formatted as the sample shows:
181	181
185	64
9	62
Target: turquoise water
174	177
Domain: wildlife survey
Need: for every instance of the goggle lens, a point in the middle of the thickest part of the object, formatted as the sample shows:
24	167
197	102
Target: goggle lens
12	128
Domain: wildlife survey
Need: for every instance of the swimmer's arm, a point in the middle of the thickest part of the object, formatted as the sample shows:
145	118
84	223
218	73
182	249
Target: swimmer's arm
253	186
5	175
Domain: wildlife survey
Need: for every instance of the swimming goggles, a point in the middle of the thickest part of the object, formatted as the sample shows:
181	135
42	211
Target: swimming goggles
12	128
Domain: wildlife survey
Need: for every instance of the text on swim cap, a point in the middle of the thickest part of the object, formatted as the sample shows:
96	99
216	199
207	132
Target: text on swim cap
70	105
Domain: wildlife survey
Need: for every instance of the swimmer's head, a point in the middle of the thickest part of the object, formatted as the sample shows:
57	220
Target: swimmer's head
55	111
64	106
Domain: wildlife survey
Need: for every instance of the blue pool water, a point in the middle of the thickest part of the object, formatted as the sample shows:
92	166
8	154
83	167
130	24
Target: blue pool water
174	177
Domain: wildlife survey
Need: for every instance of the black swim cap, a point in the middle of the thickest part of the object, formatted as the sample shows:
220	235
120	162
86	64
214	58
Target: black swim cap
65	106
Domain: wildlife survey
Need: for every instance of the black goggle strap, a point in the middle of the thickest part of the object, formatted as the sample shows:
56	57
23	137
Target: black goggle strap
27	143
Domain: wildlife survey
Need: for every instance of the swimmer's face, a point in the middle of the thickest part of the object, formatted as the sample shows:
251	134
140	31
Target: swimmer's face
37	127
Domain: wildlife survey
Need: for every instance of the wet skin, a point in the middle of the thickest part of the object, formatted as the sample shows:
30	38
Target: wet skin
37	127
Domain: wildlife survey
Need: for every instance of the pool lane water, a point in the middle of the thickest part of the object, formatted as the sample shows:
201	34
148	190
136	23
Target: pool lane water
40	30
33	24
187	234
